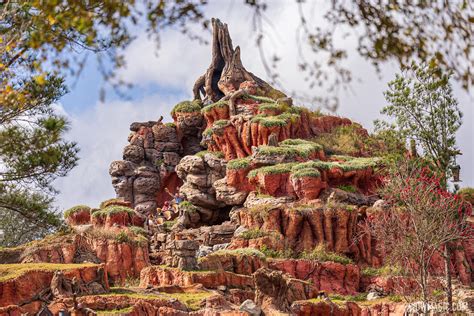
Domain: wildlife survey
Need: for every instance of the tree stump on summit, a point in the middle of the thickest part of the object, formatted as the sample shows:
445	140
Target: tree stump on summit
226	74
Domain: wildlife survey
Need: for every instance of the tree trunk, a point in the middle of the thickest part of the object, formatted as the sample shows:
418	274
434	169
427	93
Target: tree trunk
424	286
226	72
449	289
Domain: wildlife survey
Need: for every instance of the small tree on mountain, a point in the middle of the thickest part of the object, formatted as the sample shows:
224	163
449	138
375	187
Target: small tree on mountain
420	219
422	103
33	154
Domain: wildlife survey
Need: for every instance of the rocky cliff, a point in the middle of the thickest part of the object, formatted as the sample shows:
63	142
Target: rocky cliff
273	198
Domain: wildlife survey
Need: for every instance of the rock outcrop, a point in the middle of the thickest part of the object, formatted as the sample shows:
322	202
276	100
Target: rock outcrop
245	204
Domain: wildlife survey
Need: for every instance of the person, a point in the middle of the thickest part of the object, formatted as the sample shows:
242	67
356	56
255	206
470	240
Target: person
166	206
178	198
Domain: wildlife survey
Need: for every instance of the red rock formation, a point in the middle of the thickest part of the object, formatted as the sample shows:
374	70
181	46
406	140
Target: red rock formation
122	259
141	306
276	291
331	277
304	230
240	263
79	217
322	308
24	288
159	276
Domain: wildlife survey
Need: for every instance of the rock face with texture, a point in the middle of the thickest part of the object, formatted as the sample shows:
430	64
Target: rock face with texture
276	291
122	259
198	175
29	288
148	165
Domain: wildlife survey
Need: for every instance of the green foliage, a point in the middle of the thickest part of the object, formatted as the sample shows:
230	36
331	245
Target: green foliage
138	231
271	253
422	103
320	253
239	163
344	139
112	201
360	297
253	234
358	163
75	209
32	155
113	209
12	271
208	132
348	188
291	148
122	237
386	270
221	123
268	106
187	107
240	251
26	216
218	154
170	124
218	104
275	169
308	172
169	224
278	120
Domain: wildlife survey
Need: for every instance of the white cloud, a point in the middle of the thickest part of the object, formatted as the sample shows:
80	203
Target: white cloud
102	131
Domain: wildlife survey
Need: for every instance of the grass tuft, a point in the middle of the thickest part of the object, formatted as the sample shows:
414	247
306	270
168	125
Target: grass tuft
187	107
218	154
75	209
113	209
320	253
240	163
218	104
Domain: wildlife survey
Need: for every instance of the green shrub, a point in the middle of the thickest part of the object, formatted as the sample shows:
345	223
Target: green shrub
112	201
342	140
187	107
221	123
168	225
113	209
253	234
208	132
122	237
386	270
320	253
348	188
275	169
271	253
138	231
218	104
170	124
239	251
218	154
261	210
360	297
75	209
239	163
268	106
307	172
291	148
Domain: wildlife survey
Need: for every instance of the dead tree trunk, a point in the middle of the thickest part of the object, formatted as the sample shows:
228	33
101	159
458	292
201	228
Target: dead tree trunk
226	72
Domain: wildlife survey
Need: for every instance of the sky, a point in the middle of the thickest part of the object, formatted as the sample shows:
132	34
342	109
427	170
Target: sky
165	77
